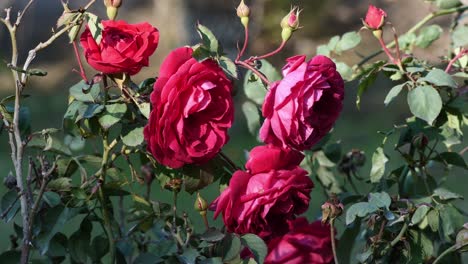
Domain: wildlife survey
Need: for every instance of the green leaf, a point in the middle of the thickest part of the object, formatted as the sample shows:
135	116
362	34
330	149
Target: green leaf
231	247
439	77
145	109
133	137
378	165
425	103
329	180
112	115
228	67
446	4
252	116
83	92
368	78
208	38
452	158
348	41
428	35
79	242
254	88
145	258
445	194
89	111
52	199
99	248
60	184
10	203
451	220
215	260
394	92
422	245
419	214
460	36
57	246
433	220
212	235
323	50
360	209
11	257
380	200
95	26
345	71
256	245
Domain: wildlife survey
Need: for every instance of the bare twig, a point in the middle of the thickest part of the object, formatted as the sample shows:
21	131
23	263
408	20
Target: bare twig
21	13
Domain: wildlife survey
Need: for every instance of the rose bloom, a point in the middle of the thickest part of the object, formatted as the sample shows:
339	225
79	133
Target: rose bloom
271	191
304	243
375	18
124	48
192	110
301	108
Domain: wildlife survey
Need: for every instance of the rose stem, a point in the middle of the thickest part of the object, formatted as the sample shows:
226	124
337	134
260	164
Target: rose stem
78	59
332	236
276	51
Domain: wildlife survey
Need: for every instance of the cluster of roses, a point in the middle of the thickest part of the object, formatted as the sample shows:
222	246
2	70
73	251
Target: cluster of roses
192	110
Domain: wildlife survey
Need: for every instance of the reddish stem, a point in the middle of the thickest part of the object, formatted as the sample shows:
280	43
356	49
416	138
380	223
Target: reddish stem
78	59
385	49
460	54
276	51
246	41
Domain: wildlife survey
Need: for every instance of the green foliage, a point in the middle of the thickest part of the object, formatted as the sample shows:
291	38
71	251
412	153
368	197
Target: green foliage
425	103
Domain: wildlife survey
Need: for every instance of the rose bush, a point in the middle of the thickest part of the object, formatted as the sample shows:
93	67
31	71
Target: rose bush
302	107
124	48
304	243
273	190
192	110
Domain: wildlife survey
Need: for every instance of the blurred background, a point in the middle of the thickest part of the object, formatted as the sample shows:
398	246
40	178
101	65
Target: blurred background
176	21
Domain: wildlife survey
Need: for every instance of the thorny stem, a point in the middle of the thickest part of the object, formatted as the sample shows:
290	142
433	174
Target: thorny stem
276	51
246	41
333	242
421	23
255	71
78	59
445	253
460	54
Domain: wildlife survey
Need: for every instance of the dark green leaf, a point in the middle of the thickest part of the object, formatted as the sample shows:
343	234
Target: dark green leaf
446	4
51	198
425	103
60	184
11	257
451	220
439	77
215	260
433	220
147	258
79	242
10	205
369	77
189	256
254	88
256	245
452	158
231	247
212	235
99	248
252	116
445	194
83	92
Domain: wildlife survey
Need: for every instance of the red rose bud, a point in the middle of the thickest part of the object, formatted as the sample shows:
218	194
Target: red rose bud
375	18
201	205
290	23
420	141
243	13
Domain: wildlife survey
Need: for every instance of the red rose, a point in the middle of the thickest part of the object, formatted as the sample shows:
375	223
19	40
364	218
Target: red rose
262	199
302	107
124	48
375	18
304	243
192	110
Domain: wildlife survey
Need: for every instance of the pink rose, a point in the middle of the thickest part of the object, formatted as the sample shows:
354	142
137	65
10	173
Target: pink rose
124	48
262	199
375	18
192	110
302	107
304	243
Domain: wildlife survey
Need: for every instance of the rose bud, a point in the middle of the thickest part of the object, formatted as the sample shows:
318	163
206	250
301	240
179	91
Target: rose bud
375	18
290	23
420	141
200	204
331	209
112	8
243	13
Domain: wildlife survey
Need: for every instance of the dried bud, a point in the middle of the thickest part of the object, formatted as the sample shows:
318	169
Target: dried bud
352	161
200	204
174	185
147	172
9	181
420	141
290	23
331	209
